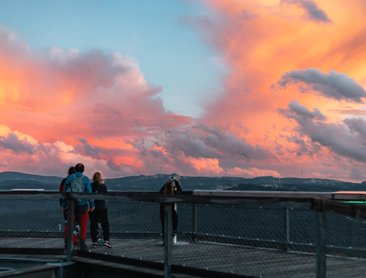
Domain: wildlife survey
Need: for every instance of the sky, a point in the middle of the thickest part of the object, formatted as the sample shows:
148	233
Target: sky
200	88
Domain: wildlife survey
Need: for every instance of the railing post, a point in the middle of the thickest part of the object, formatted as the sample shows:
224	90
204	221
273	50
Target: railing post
320	247
168	227
286	227
194	222
70	228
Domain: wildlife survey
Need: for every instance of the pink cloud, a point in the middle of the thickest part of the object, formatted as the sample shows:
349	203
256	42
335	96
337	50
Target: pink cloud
65	106
261	42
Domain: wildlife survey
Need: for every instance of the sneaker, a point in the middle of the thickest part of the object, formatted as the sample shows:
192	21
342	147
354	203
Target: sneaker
100	242
95	244
107	244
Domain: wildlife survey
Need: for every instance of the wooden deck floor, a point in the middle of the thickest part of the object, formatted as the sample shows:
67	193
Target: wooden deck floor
217	257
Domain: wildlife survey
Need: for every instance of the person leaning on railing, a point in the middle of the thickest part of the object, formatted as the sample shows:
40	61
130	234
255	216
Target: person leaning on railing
171	187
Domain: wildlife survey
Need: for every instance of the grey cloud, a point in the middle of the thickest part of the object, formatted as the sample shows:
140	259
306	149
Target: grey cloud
357	125
312	10
208	142
190	144
299	112
95	66
17	145
88	149
333	85
304	148
340	138
230	145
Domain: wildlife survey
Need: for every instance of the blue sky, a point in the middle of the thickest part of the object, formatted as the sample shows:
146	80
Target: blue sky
170	52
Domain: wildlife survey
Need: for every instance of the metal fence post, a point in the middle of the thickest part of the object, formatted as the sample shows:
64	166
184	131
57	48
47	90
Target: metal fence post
168	240
70	228
194	222
286	227
320	248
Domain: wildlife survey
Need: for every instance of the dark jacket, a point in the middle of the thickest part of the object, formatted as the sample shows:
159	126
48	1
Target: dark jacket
176	187
99	188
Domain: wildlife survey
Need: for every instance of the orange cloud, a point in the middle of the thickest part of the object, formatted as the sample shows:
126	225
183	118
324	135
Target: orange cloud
205	166
293	67
260	42
97	103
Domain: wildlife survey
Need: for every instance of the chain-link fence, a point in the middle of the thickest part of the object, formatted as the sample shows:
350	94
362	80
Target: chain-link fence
237	236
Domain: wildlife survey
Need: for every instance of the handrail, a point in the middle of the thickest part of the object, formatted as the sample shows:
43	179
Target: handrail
319	201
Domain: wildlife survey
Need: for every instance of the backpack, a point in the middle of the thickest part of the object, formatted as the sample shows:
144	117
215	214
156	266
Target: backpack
77	186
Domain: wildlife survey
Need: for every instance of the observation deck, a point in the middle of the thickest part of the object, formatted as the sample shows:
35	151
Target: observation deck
220	234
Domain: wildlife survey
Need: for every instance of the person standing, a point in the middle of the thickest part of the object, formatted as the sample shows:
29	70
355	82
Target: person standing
71	171
78	183
63	207
100	214
171	187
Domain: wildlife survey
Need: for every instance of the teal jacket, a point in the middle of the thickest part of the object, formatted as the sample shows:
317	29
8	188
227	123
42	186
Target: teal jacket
87	189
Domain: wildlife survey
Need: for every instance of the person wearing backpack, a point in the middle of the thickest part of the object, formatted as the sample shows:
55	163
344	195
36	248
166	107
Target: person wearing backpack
171	187
79	183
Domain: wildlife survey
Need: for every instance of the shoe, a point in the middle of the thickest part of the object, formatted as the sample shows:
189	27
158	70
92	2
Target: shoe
95	244
100	242
107	244
174	239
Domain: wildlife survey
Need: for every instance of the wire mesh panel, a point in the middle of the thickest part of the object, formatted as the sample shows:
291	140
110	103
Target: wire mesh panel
226	235
133	218
346	237
31	223
303	229
346	232
267	240
38	215
260	239
134	231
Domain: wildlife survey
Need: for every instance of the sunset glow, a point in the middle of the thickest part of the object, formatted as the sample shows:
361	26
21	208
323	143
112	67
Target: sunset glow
289	99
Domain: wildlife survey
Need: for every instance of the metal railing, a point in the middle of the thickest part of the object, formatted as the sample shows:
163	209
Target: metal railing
252	234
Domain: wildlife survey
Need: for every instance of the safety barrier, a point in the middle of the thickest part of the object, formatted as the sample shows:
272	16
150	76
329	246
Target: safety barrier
246	233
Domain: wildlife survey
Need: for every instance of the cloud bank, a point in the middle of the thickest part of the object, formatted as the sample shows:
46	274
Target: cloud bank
61	106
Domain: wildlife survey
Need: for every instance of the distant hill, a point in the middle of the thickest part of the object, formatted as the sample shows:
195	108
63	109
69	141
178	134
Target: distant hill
155	182
10	180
